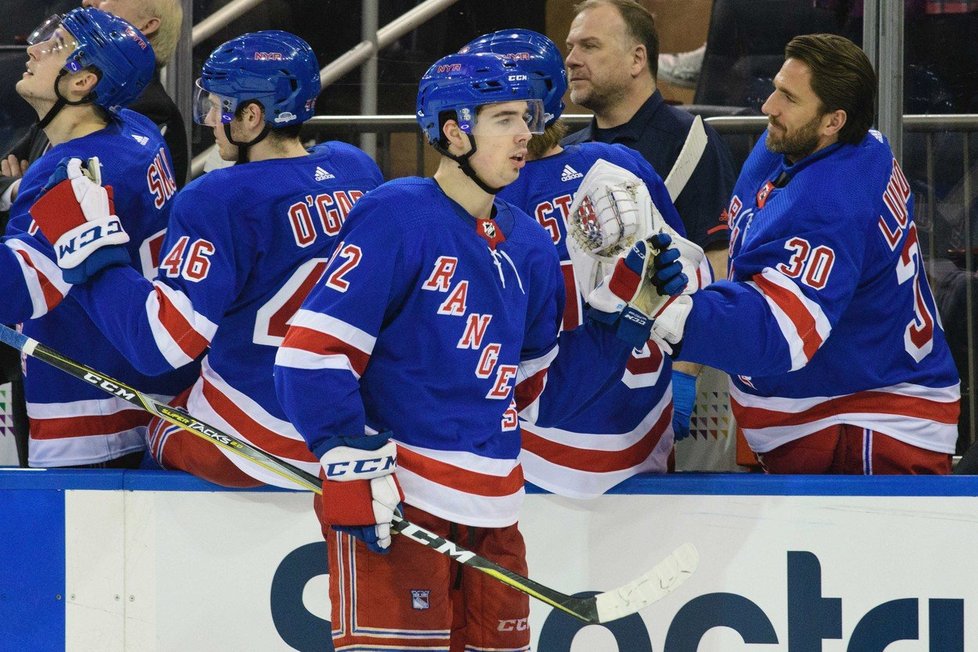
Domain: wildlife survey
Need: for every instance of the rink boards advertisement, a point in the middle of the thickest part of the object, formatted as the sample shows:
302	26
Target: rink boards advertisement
142	561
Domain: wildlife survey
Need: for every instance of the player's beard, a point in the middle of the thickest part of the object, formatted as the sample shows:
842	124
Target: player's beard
798	144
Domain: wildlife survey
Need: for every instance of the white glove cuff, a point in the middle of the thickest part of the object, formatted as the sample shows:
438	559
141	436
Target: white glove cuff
669	325
603	299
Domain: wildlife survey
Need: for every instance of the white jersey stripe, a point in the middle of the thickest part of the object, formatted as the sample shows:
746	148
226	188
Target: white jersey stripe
40	271
457	506
340	330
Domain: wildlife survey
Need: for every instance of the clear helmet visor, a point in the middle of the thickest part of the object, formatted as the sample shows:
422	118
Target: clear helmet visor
508	118
56	38
45	30
211	109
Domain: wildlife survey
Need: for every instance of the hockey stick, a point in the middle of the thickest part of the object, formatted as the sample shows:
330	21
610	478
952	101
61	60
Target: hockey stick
602	608
689	157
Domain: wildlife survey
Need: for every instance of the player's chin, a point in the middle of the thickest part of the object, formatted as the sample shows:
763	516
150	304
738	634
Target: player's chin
580	92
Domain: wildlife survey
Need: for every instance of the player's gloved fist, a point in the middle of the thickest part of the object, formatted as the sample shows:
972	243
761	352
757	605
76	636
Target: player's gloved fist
360	491
609	302
667	275
683	399
76	215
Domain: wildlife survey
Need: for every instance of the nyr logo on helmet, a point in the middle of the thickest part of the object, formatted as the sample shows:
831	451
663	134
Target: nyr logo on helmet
268	56
134	35
448	67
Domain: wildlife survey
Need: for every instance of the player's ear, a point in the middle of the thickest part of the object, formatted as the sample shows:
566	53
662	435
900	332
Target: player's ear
253	116
833	122
453	134
149	26
82	83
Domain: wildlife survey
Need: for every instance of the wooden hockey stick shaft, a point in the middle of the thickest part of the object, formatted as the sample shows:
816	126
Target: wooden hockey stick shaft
657	583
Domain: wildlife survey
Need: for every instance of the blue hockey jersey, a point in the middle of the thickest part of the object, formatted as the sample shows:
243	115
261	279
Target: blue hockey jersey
423	326
244	246
827	317
72	423
629	430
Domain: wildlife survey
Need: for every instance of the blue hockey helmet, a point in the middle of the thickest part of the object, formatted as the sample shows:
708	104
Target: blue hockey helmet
121	53
464	82
274	68
537	55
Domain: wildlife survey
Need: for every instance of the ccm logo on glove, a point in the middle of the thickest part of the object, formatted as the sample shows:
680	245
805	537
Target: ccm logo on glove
70	243
336	470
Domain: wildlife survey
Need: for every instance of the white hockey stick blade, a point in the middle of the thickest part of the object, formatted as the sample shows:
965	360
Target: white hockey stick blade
654	585
689	157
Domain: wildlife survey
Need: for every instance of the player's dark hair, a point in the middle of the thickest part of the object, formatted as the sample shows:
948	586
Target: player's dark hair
445	116
640	25
287	132
282	133
842	78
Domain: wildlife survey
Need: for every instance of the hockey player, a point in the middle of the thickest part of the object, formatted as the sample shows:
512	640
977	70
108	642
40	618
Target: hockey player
588	454
80	71
432	328
827	322
244	246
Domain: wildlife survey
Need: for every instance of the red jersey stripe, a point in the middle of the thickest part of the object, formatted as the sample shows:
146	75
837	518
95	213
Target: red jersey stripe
189	340
796	311
454	477
871	402
319	343
265	439
52	297
85	426
597	461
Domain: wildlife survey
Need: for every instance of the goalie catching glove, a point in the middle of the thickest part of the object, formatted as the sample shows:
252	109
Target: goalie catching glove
612	210
75	214
360	491
639	288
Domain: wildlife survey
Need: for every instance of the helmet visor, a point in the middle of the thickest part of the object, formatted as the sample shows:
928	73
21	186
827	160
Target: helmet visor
509	118
211	109
52	34
45	30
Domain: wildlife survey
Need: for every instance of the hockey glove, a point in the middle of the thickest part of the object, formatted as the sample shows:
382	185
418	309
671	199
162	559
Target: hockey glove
683	399
75	214
669	326
360	491
629	298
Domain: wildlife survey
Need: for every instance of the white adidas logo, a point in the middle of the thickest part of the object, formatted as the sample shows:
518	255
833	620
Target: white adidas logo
570	173
142	140
322	175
